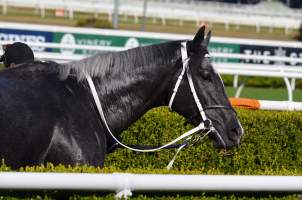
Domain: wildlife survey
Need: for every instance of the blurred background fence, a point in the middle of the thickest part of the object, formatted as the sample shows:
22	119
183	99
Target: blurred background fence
272	14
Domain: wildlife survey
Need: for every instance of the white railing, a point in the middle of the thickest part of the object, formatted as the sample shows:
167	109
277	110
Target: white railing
255	104
208	12
258	57
125	183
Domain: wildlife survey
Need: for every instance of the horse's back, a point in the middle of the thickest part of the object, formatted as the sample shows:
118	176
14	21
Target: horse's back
41	119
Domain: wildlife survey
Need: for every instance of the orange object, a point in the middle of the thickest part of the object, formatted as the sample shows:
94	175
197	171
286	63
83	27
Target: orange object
249	104
60	13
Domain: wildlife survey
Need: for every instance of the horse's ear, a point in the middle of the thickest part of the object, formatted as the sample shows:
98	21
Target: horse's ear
198	39
207	40
196	44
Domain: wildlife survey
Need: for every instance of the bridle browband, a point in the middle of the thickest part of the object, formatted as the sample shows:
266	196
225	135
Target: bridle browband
204	126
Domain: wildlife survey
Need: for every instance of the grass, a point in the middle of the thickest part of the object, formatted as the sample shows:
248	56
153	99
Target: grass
277	94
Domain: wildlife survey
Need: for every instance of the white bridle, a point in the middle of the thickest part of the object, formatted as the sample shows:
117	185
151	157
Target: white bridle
185	68
206	123
187	135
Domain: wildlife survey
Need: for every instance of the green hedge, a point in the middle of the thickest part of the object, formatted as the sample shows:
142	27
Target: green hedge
271	146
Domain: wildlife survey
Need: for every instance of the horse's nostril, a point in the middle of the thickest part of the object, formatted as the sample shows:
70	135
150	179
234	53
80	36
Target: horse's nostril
235	134
237	131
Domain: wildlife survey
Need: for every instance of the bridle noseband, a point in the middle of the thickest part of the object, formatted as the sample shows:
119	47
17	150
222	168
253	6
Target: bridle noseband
204	126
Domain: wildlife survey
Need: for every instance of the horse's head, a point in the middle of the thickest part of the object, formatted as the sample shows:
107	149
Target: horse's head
201	97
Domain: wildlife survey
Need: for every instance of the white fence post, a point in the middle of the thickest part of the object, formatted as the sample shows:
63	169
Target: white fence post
4	7
293	84
70	12
235	81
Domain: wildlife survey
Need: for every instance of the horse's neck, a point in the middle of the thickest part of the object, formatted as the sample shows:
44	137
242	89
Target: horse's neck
128	94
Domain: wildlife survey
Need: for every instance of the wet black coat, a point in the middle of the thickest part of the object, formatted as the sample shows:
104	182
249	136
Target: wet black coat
43	118
47	113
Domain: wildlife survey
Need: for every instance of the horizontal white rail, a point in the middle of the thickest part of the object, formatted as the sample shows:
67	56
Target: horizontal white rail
280	105
257	57
58	57
69	46
258	70
148	182
255	104
257	73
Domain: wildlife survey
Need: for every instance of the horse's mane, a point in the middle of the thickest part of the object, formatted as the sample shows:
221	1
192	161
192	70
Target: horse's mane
102	63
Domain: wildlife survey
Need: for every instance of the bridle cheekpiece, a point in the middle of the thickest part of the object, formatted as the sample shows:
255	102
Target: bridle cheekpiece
206	123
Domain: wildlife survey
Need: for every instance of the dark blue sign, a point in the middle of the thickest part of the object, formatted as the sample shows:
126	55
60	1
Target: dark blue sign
26	36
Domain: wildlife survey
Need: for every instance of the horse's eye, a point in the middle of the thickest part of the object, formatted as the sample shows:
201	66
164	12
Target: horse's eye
205	74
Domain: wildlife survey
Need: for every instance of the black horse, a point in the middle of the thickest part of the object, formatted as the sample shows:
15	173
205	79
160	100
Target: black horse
47	112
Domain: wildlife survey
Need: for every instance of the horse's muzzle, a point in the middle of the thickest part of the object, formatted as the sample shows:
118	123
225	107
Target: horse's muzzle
235	132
